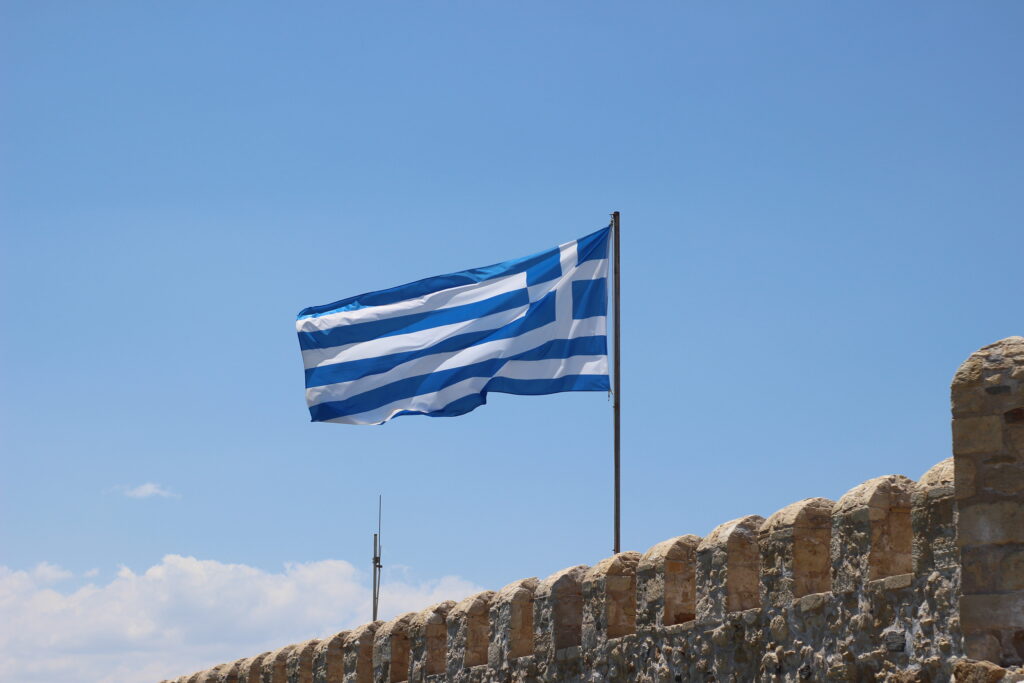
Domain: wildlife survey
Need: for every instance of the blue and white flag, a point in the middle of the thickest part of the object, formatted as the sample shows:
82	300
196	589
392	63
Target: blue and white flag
535	325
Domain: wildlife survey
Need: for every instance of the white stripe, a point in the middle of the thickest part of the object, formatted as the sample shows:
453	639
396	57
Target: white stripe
411	341
499	348
435	401
553	368
446	298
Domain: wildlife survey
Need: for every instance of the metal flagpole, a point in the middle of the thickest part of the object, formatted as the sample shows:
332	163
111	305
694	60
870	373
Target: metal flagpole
616	383
376	562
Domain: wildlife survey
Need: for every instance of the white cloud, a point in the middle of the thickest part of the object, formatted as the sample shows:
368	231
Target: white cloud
148	490
183	615
45	573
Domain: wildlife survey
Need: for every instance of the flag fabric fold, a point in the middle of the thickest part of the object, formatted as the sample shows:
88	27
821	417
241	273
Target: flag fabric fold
437	346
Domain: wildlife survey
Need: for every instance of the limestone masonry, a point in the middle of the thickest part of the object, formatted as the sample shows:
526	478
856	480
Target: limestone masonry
896	581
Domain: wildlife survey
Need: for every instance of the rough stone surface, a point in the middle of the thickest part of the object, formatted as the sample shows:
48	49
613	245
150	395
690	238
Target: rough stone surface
512	623
727	569
329	659
428	635
896	581
609	599
357	653
274	666
468	634
299	665
391	650
795	544
666	582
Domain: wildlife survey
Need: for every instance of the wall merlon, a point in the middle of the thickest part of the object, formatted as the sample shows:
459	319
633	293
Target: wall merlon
558	613
469	632
357	653
249	669
795	546
428	633
391	650
511	622
872	536
667	583
275	665
609	599
728	569
329	659
228	673
299	664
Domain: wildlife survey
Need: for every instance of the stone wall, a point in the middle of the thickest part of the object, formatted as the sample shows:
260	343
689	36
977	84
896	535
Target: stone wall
897	580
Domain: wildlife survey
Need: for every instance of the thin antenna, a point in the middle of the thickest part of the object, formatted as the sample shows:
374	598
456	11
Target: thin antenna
377	546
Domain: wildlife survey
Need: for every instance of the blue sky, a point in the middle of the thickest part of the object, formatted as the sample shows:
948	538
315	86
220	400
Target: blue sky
821	215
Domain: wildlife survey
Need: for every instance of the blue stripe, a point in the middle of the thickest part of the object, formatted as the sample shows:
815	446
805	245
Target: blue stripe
538	268
522	387
414	322
435	381
504	385
540	313
593	247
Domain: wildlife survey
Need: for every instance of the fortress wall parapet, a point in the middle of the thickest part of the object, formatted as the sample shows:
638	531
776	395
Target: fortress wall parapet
864	588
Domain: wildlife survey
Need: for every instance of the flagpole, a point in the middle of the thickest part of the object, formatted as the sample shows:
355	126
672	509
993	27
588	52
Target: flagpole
616	377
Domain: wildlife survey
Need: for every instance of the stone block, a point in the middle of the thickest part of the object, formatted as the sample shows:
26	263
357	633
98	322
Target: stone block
991	523
977	435
1002	611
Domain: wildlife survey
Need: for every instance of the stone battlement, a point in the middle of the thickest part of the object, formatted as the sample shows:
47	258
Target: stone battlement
897	580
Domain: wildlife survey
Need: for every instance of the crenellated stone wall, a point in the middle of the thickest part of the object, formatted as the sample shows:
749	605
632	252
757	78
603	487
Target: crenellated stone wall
897	580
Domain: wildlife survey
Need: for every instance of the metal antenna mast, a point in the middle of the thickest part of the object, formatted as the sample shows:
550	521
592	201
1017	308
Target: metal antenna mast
376	561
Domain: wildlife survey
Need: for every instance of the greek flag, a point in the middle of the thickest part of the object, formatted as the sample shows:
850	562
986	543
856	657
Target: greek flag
534	325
